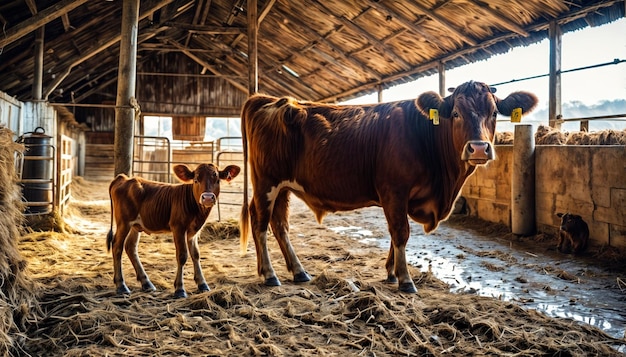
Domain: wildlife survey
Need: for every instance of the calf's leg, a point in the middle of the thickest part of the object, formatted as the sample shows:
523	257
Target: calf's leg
117	248
280	227
194	251
132	242
181	259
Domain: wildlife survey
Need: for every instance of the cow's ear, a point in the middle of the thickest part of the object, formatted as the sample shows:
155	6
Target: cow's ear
183	173
525	100
230	172
432	100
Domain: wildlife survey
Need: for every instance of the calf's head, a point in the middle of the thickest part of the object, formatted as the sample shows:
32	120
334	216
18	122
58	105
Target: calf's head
472	109
206	180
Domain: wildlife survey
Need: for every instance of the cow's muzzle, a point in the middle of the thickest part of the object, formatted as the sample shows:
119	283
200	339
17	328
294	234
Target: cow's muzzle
478	152
208	199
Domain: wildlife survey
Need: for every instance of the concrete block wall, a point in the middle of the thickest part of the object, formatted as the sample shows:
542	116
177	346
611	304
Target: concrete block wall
585	180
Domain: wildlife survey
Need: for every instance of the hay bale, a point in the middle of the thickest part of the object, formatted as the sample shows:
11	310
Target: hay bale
503	138
546	135
17	297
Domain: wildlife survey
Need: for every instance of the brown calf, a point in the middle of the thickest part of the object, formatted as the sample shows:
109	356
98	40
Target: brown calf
573	234
140	205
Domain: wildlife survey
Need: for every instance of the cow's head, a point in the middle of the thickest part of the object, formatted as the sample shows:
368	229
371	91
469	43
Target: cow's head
472	109
206	180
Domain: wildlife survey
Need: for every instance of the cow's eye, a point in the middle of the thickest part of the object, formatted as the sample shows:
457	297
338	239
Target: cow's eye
494	115
455	114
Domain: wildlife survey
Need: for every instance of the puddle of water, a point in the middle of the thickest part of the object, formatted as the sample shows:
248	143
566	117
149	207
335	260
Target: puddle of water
514	275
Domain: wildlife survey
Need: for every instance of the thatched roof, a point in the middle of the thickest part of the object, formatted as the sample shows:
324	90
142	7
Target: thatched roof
311	49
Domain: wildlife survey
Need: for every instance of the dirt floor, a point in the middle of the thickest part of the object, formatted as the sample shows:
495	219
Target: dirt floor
345	310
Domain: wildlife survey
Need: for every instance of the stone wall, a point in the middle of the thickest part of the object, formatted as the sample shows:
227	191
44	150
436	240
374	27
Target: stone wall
585	180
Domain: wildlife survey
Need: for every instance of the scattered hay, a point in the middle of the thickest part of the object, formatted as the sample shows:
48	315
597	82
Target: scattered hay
345	310
17	291
221	230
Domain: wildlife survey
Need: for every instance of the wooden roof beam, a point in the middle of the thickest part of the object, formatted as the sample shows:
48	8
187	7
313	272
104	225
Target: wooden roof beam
407	24
260	18
443	22
371	39
42	18
206	30
207	65
500	19
339	51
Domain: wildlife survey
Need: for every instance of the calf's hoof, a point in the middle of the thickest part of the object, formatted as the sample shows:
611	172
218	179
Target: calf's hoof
273	281
148	287
180	294
407	288
123	290
204	287
302	277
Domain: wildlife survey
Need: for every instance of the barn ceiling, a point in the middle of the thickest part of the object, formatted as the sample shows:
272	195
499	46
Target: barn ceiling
311	49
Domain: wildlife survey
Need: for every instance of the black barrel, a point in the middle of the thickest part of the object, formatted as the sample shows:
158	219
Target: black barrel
37	171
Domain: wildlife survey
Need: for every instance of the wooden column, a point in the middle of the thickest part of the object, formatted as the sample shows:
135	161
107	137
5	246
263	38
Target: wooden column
554	92
38	79
379	89
253	59
523	181
126	81
441	69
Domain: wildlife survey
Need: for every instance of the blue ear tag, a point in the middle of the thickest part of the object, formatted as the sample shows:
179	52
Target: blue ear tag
516	115
434	116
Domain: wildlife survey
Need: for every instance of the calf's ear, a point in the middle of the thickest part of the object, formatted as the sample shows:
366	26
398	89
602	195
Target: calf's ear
230	172
183	173
525	100
432	100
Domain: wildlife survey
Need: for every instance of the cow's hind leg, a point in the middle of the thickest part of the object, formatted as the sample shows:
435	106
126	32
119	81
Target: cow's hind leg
131	245
280	227
194	251
117	248
259	219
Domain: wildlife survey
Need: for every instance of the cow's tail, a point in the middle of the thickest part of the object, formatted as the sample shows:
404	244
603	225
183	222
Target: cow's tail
110	234
244	219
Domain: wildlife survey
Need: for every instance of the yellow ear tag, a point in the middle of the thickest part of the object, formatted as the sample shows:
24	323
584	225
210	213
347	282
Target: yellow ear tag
516	115
434	116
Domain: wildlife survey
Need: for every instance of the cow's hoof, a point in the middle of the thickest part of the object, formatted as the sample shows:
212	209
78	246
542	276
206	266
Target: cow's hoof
407	288
180	294
273	281
391	279
302	277
123	290
148	287
204	287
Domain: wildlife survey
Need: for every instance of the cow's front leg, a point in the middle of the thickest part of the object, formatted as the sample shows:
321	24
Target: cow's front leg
181	259
391	267
132	242
117	248
396	214
259	221
280	227
194	251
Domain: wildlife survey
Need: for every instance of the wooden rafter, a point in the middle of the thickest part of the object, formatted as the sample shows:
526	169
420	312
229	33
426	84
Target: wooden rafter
445	23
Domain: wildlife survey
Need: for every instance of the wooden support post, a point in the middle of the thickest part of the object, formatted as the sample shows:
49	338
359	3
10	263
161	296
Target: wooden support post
523	181
441	69
124	111
554	92
38	79
253	59
379	90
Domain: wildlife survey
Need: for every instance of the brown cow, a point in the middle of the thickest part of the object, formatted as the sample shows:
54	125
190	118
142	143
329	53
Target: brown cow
140	205
573	234
338	158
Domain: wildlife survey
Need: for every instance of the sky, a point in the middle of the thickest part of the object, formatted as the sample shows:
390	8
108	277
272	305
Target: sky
586	47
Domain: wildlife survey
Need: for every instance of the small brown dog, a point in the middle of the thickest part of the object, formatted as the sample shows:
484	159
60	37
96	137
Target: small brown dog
573	234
